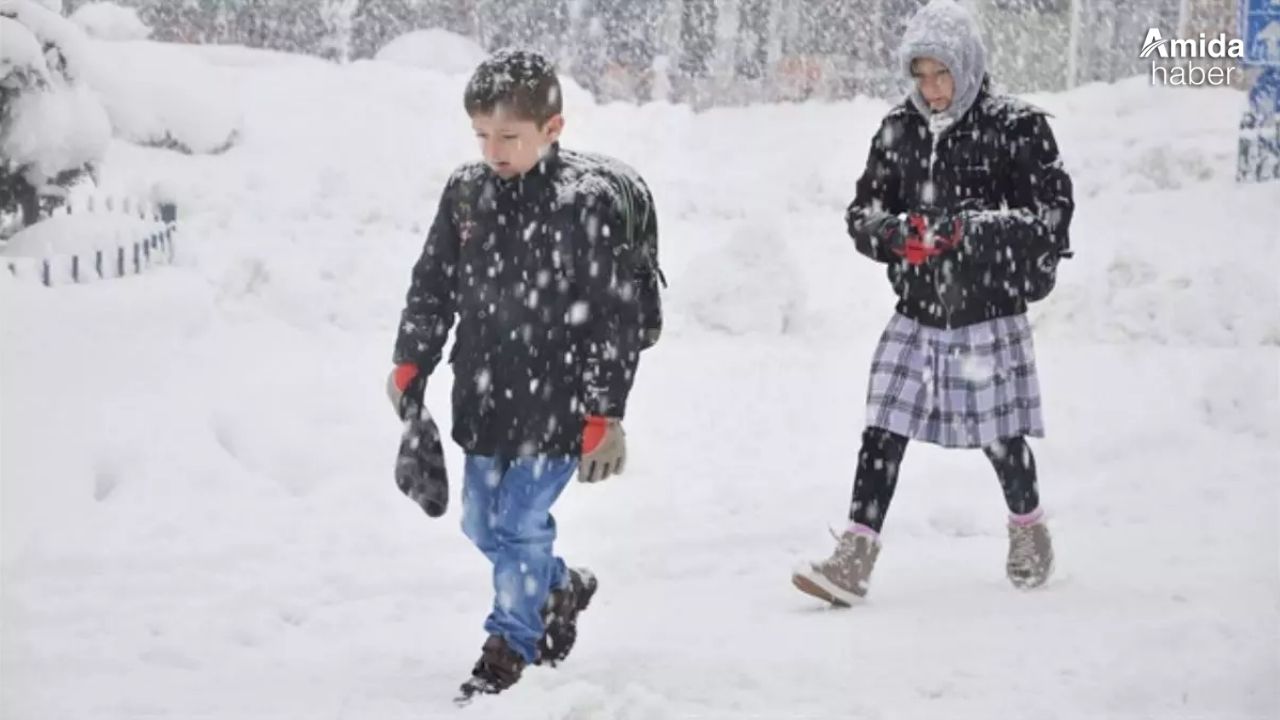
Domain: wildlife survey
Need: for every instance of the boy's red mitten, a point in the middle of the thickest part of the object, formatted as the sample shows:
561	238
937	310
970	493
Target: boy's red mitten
405	379
604	448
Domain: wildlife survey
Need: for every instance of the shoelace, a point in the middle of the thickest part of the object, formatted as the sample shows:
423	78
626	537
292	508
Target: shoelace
844	548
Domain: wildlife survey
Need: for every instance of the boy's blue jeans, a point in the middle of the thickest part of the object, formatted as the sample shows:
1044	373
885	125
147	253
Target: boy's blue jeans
506	511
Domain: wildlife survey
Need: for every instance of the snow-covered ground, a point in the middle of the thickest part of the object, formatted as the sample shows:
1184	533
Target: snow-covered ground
198	517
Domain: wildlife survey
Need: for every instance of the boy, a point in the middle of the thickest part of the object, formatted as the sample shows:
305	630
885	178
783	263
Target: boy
965	200
534	251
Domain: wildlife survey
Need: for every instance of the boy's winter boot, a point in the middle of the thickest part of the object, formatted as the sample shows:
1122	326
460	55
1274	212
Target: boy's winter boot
499	668
560	616
1030	560
841	579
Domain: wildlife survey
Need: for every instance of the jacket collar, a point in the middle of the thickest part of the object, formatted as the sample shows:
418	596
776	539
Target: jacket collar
544	168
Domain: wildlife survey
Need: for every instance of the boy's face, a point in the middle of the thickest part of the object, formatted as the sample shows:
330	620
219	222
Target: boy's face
935	83
512	146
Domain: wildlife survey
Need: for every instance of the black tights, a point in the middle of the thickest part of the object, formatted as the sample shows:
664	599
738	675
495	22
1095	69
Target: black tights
881	456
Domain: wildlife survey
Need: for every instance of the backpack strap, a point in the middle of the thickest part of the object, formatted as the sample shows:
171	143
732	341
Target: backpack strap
636	229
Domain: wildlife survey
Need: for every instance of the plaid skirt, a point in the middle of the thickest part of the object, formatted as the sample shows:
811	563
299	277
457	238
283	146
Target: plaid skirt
960	387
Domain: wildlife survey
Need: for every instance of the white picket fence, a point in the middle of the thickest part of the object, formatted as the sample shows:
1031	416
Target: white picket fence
109	259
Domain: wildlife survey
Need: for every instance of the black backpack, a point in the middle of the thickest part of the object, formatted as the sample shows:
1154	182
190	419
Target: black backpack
1042	275
636	204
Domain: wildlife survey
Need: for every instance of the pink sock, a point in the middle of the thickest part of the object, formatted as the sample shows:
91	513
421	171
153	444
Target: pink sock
860	529
1030	518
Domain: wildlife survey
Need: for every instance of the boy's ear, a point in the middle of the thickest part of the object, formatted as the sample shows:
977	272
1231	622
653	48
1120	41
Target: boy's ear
553	127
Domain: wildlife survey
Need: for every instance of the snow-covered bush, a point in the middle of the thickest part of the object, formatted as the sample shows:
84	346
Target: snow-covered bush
433	49
52	127
109	21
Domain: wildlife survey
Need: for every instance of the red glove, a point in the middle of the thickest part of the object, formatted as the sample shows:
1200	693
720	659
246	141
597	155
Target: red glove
914	250
604	448
947	232
593	432
924	242
398	383
403	375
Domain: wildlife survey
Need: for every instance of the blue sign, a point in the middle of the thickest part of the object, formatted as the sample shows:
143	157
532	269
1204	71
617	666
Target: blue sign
1264	96
1260	30
1259	157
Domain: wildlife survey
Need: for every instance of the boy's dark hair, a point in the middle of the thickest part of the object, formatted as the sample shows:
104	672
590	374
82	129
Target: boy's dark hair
519	82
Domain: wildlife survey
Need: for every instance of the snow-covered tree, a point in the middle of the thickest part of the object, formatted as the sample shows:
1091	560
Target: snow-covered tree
52	127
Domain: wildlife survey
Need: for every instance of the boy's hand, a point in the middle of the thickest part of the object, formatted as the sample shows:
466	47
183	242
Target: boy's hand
404	380
604	449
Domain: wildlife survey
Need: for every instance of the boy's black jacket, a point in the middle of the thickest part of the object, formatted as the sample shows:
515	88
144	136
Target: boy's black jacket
540	274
